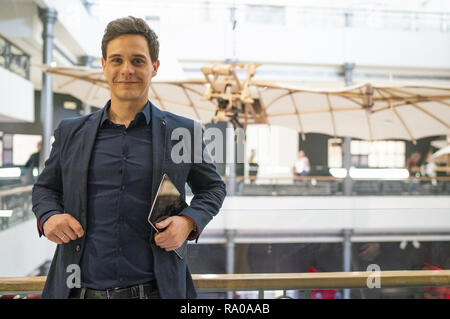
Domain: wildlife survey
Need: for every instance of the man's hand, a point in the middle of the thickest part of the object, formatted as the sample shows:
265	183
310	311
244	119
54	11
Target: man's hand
62	228
178	229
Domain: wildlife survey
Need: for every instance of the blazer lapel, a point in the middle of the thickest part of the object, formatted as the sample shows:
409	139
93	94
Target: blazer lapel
159	129
90	132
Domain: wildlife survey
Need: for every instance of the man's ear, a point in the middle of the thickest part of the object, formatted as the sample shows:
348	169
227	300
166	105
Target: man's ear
155	67
103	64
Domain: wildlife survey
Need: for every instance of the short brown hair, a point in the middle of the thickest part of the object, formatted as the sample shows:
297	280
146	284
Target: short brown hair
131	25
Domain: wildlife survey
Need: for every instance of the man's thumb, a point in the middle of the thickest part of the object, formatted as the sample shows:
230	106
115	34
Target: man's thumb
164	223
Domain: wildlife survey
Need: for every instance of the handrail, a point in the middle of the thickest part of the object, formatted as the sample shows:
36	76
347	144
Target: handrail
22	60
16	190
14	44
276	281
319	178
332	178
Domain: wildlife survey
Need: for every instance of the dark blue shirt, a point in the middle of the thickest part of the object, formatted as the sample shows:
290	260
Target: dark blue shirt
117	251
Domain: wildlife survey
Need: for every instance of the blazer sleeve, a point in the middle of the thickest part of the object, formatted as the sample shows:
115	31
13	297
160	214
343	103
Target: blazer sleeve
47	193
209	193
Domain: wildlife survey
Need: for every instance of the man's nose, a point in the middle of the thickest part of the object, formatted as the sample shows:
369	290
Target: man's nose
127	69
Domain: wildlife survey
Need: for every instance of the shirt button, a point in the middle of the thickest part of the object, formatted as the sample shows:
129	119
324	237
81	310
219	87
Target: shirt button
124	158
78	248
124	132
121	278
123	187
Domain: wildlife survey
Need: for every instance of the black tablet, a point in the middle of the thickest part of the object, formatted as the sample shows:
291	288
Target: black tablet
168	202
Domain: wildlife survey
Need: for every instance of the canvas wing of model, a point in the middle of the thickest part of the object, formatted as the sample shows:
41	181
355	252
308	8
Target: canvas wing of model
227	92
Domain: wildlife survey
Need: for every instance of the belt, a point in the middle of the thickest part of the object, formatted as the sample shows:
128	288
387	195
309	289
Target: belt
133	292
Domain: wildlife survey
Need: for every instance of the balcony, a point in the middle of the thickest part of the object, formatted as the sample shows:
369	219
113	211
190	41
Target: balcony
16	98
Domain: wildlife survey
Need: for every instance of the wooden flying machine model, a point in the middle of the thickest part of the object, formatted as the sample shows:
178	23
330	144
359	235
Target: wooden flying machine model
234	98
228	92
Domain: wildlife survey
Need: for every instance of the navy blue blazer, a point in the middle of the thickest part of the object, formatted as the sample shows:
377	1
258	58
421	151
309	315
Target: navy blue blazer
62	186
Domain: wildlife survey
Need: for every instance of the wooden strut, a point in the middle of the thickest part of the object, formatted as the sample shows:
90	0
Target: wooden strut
196	92
348	95
191	103
350	99
246	117
263	107
158	97
393	107
369	124
302	131
368	105
185	104
278	98
330	109
417	98
431	115
233	72
88	93
403	122
442	102
318	111
79	77
252	110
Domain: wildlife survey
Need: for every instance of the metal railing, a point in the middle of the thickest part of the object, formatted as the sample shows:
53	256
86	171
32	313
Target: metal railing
17	203
14	58
17	200
206	283
401	20
328	185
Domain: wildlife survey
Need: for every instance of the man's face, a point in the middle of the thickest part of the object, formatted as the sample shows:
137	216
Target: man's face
129	68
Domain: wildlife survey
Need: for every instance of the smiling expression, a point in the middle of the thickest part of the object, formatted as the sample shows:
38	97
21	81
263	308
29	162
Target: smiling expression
129	68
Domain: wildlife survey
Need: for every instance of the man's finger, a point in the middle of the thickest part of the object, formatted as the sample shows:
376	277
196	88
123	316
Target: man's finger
164	223
67	230
161	239
172	247
164	242
167	243
76	227
64	238
55	239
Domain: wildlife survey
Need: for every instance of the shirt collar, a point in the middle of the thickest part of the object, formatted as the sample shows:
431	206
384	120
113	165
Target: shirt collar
146	111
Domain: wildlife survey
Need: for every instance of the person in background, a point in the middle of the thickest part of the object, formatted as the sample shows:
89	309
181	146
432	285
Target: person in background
301	166
31	164
253	167
413	167
428	168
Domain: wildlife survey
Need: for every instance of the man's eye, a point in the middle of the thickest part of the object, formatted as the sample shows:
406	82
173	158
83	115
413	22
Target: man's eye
138	61
116	60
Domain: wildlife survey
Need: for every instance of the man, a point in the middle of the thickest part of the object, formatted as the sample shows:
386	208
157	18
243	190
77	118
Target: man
32	163
253	167
301	166
413	167
95	192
